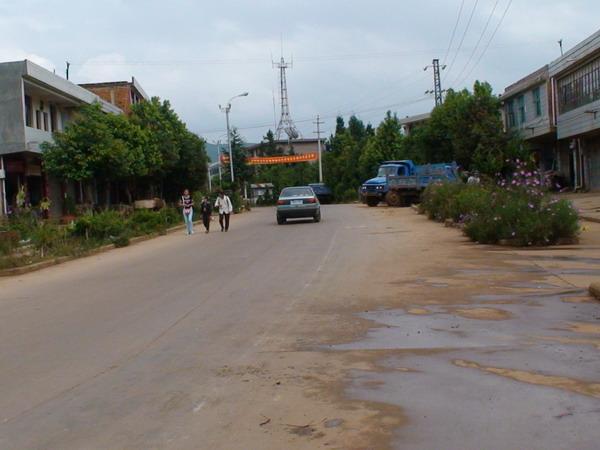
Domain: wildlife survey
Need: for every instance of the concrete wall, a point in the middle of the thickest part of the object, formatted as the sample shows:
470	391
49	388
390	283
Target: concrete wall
578	121
12	116
534	126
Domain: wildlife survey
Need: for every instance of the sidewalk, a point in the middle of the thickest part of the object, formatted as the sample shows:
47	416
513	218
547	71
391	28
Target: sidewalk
587	203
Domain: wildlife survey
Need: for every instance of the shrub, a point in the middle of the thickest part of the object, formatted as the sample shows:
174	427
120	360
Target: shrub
45	236
24	222
439	200
144	221
518	211
100	226
121	241
170	216
9	240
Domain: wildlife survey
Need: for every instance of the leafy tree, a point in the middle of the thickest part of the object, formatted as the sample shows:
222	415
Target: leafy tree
467	128
385	145
190	171
71	155
97	145
241	170
166	133
268	147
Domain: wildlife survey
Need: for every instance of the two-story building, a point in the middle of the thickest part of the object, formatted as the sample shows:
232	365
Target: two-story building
34	103
527	110
575	79
123	94
556	110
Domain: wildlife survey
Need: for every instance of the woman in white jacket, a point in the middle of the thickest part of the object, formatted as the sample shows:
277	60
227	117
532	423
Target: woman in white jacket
225	209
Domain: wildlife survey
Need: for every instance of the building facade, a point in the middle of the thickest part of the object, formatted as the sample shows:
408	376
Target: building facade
122	94
575	79
34	103
409	123
528	111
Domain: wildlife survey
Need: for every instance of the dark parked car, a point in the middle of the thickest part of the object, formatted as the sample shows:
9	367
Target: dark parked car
323	192
298	202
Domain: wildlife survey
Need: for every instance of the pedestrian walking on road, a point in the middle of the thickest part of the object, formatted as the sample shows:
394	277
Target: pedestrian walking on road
225	209
206	211
187	203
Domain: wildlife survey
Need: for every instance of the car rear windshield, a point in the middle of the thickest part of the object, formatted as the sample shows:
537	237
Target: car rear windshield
297	192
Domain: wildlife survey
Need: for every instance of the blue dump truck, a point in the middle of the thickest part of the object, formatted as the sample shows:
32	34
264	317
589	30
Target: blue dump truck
400	183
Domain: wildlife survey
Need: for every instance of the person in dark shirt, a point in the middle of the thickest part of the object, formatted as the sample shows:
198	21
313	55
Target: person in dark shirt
187	204
206	211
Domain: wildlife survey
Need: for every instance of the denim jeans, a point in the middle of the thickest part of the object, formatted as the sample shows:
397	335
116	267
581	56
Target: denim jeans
188	218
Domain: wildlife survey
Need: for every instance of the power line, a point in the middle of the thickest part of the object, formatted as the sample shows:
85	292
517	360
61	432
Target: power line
331	116
462	4
462	40
487	24
489	42
316	59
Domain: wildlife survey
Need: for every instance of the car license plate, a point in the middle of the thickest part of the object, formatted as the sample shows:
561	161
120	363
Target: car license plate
296	202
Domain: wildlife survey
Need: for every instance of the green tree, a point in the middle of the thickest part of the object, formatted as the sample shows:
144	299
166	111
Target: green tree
269	147
166	133
386	144
467	128
97	145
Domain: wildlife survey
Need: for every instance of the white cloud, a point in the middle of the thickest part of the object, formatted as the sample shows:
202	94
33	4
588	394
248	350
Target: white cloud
17	54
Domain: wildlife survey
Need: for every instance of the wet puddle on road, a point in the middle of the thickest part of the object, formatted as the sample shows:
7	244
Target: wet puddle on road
528	363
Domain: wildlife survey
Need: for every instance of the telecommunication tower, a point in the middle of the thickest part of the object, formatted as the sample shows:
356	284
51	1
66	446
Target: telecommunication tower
286	124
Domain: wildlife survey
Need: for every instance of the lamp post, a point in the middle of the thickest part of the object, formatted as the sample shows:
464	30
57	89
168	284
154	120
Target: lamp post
226	110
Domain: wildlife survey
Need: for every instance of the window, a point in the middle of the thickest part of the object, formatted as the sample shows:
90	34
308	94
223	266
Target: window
45	116
537	102
38	119
521	103
579	87
53	119
28	112
510	113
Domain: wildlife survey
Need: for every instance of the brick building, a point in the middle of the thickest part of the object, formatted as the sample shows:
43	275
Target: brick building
122	94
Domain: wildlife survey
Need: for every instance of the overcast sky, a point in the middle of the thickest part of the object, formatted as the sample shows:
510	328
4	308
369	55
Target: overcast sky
349	56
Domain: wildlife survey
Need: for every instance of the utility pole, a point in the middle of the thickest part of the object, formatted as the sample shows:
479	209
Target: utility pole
226	110
68	66
4	210
437	82
318	123
209	180
220	173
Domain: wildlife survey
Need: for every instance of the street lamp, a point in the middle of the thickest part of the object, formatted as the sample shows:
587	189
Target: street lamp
226	110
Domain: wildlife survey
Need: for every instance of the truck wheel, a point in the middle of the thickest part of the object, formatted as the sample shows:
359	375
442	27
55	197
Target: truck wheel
280	220
372	201
393	198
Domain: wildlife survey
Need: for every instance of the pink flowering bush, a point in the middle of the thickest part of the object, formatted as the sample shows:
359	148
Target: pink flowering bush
517	209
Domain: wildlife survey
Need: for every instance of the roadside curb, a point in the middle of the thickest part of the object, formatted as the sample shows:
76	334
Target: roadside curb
22	270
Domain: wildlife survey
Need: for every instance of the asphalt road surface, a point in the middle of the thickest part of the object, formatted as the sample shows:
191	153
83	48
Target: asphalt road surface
373	329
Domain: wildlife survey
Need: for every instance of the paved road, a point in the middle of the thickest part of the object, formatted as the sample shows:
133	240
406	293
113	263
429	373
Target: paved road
126	349
271	337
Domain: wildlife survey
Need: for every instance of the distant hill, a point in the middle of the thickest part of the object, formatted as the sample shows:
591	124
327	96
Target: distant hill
212	150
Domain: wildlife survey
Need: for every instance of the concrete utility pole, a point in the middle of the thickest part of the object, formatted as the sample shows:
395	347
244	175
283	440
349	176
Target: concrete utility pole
318	123
3	187
226	110
437	82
